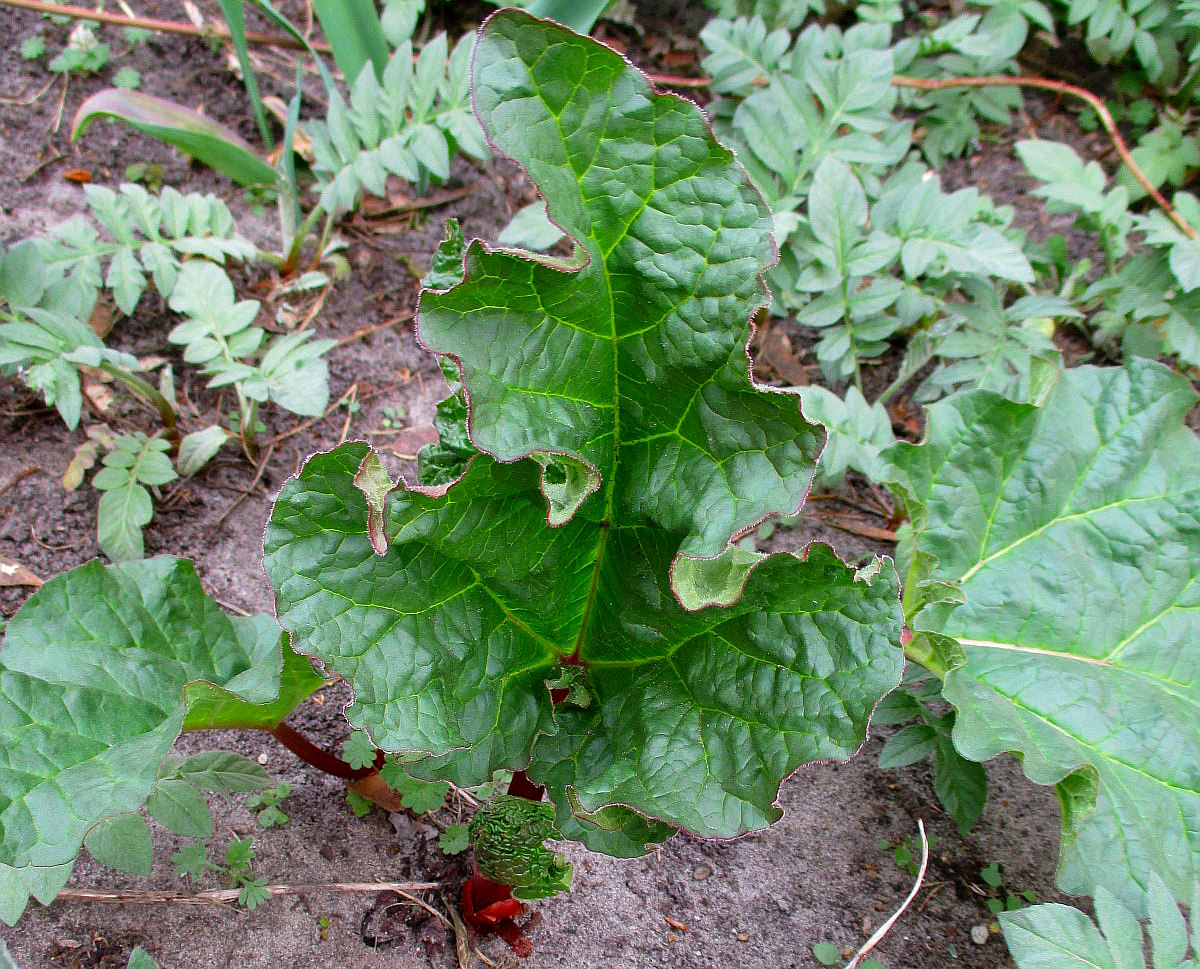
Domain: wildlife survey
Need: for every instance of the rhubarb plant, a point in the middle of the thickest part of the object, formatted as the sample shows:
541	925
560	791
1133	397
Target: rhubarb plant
1052	562
621	449
579	546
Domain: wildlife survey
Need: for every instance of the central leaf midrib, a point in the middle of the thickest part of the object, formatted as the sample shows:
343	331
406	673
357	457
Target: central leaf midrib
610	484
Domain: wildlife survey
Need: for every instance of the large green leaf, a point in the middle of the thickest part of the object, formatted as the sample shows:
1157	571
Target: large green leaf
1061	937
1074	531
99	672
617	392
641	351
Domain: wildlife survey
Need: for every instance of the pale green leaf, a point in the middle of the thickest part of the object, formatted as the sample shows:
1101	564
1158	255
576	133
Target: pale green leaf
1074	532
91	699
198	448
122	842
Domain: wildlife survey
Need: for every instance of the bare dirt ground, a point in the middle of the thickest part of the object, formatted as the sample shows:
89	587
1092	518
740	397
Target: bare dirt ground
755	903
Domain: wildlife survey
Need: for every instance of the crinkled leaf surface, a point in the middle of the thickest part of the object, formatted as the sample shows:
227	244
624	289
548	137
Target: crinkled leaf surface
99	672
1074	531
625	384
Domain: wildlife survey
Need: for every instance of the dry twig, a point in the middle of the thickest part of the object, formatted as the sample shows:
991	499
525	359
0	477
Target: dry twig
225	896
883	930
1060	87
162	26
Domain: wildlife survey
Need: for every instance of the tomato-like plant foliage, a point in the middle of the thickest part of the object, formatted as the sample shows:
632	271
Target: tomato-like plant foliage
622	449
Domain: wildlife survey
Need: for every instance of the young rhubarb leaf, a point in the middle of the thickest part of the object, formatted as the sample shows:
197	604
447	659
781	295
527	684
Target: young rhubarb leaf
100	670
624	449
507	835
1074	533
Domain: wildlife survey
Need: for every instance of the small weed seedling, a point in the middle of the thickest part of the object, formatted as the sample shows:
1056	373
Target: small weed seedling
906	852
237	870
1003	900
266	803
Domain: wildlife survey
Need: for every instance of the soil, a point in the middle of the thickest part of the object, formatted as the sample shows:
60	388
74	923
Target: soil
761	901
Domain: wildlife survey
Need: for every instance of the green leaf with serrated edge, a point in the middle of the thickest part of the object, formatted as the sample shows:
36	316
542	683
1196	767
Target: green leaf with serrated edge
122	842
94	673
1074	532
361	806
638	370
18	885
358	751
219	771
417	795
454	840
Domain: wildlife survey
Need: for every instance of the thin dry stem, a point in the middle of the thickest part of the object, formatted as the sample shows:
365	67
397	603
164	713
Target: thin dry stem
225	896
161	26
887	926
1060	87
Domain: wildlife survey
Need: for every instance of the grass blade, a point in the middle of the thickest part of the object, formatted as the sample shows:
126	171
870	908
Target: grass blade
235	19
579	15
355	34
206	140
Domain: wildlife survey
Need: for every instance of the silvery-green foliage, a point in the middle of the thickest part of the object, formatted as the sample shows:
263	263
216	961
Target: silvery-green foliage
135	464
1150	299
858	431
410	124
1062	937
144	235
864	268
45	340
218	335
